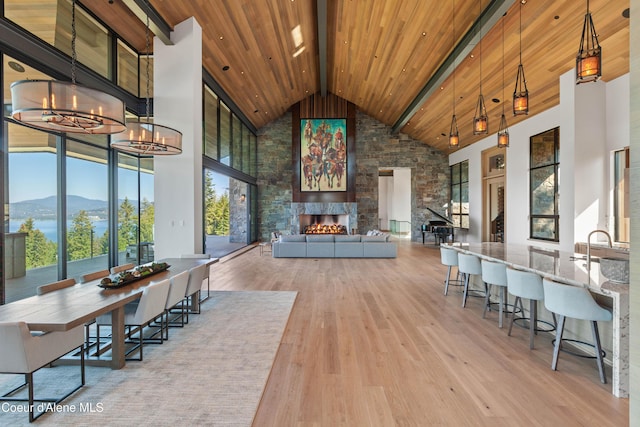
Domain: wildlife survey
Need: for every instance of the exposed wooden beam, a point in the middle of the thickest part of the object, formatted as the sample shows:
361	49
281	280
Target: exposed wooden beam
322	45
157	25
489	17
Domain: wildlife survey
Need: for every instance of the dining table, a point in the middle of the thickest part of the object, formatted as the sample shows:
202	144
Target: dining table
570	268
64	309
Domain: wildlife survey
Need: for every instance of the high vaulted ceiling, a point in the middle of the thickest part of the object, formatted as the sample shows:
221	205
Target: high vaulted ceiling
382	55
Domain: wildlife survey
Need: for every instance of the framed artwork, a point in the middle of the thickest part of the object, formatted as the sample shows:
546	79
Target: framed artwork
323	150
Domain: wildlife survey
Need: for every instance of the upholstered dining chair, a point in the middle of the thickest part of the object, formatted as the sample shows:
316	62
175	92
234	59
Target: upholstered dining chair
62	284
566	300
449	257
123	267
24	353
468	265
206	275
196	279
176	298
150	306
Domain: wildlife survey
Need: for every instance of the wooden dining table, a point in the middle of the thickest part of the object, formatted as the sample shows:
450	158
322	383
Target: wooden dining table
64	309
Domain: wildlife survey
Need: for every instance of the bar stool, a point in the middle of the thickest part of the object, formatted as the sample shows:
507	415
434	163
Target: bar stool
576	302
449	257
494	274
468	265
528	285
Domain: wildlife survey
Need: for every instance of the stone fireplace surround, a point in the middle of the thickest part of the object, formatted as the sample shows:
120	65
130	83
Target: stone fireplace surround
343	211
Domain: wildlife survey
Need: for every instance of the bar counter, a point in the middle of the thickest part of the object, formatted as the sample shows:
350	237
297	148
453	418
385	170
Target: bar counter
571	268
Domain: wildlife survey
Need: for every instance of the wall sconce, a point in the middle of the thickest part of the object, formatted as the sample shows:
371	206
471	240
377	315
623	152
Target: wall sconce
243	197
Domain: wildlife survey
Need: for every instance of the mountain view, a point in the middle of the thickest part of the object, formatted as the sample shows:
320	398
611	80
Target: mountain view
43	209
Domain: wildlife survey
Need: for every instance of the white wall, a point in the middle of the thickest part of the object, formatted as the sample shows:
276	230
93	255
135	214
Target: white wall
178	179
385	191
584	194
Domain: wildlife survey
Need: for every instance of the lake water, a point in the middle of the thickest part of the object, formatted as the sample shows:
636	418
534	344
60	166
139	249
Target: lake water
49	227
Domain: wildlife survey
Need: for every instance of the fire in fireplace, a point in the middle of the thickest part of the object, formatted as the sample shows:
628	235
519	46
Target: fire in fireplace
325	229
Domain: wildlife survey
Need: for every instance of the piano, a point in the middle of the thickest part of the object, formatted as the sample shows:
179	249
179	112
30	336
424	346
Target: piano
442	228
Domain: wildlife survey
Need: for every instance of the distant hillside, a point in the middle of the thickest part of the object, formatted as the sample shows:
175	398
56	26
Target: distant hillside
46	208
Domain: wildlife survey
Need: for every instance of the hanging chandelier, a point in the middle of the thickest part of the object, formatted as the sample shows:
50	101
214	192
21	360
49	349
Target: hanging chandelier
480	119
589	58
503	130
145	138
454	136
66	106
520	93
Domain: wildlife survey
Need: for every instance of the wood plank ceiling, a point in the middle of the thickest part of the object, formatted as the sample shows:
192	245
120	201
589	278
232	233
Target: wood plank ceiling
381	53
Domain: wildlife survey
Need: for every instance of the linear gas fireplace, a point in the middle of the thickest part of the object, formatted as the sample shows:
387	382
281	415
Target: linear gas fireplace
324	218
324	224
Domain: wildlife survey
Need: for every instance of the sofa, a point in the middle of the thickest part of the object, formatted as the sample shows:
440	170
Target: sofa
333	246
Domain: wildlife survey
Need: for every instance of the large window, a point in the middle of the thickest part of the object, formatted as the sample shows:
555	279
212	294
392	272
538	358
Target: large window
621	196
460	194
543	177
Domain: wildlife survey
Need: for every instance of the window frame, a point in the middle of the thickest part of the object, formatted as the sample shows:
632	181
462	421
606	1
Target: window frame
555	163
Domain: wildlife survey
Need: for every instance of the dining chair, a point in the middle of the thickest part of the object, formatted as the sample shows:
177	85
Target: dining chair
176	298
196	278
206	276
149	307
24	353
123	267
54	286
62	284
576	302
94	276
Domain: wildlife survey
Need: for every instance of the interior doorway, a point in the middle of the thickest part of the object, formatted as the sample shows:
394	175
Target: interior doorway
494	218
394	200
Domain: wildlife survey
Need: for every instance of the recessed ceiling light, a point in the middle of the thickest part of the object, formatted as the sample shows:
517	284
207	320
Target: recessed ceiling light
221	37
496	100
625	13
16	67
424	34
225	68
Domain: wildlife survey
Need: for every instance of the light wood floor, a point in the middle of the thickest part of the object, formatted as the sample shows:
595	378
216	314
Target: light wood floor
376	343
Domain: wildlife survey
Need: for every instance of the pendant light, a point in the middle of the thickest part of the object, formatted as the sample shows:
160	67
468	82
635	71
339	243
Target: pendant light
454	136
60	106
589	58
145	138
480	119
503	130
520	93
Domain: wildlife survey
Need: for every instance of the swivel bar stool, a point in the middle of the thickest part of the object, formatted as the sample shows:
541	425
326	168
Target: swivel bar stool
526	284
576	302
468	265
494	274
449	257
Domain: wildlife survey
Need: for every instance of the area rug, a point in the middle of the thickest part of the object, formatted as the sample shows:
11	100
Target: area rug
211	372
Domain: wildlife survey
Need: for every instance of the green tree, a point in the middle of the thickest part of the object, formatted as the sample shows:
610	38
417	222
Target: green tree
127	225
147	217
80	237
40	251
222	215
209	203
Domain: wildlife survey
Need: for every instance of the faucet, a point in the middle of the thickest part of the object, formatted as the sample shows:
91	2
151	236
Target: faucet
589	245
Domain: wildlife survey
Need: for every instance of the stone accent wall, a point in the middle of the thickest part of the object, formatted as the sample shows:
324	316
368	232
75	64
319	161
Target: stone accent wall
376	147
274	177
238	210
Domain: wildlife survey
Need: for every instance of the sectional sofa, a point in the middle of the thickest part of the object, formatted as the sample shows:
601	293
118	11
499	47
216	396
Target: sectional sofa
333	246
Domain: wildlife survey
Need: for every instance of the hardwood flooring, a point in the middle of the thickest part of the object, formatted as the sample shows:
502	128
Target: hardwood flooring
374	342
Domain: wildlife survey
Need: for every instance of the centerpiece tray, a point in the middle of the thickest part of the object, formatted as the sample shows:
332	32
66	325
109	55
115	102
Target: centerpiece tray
127	277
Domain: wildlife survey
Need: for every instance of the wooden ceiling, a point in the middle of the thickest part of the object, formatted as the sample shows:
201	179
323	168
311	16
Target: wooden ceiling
380	54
